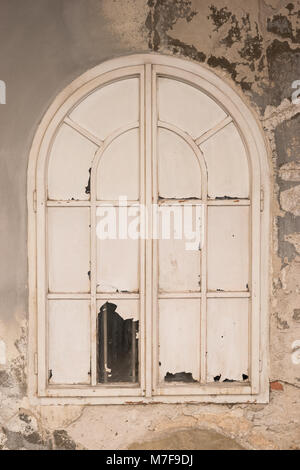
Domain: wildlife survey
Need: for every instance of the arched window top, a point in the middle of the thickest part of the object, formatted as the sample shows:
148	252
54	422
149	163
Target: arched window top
109	107
187	107
164	131
118	72
106	113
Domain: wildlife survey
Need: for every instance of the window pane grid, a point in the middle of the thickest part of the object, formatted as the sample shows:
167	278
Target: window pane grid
147	250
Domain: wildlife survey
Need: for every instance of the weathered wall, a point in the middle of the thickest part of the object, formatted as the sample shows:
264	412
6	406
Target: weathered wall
45	44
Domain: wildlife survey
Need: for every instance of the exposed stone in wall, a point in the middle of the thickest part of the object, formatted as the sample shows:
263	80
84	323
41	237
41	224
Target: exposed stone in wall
24	432
255	47
290	200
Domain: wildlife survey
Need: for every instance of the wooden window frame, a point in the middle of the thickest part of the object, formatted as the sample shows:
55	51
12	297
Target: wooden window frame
148	66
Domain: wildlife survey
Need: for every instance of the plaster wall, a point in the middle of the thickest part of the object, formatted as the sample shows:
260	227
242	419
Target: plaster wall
254	46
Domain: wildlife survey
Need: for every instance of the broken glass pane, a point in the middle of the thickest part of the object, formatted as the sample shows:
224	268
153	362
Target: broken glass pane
117	346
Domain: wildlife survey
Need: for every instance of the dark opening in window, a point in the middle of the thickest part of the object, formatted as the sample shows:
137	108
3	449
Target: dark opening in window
117	346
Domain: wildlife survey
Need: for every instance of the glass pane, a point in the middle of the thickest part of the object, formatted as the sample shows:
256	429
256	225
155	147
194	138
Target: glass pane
227	165
179	174
69	341
117	253
186	107
179	245
118	344
109	108
227	340
69	249
179	340
69	164
118	170
179	269
228	248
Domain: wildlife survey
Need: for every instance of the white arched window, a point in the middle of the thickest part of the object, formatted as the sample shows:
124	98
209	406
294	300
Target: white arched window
143	319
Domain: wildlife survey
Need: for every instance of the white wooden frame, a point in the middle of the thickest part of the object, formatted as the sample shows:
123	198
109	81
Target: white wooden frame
147	65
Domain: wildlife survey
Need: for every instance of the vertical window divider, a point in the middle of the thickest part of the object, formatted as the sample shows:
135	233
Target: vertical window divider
42	289
93	268
154	214
149	244
255	234
142	254
203	313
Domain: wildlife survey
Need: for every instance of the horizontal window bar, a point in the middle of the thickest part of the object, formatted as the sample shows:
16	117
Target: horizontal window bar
229	202
162	202
70	295
206	389
198	295
101	295
68	203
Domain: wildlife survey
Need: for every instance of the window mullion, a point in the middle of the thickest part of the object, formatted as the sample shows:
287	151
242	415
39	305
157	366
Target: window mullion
154	119
142	248
93	276
203	313
204	267
149	245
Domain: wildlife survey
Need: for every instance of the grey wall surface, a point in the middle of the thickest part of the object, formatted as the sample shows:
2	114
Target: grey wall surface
44	45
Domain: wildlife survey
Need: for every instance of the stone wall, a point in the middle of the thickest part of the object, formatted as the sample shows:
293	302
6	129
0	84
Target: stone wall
254	45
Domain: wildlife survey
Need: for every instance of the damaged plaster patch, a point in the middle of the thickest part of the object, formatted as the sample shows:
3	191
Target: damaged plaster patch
285	23
287	225
286	151
63	441
25	431
162	17
296	315
282	324
22	431
287	139
290	278
256	50
225	37
13	375
294	239
18	365
290	200
5	379
219	16
290	172
283	66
